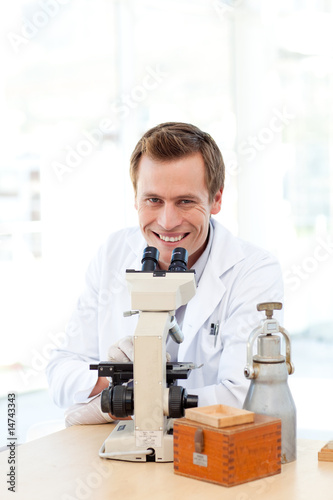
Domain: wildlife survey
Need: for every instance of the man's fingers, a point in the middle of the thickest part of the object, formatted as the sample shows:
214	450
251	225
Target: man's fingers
116	354
86	413
126	345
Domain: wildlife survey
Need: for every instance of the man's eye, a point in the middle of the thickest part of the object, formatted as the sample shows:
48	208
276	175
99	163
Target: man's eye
153	200
185	202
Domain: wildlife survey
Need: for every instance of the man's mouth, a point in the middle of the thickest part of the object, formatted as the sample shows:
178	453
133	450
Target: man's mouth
171	239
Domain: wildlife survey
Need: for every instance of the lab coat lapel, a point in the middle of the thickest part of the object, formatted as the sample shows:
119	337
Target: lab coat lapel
226	251
200	308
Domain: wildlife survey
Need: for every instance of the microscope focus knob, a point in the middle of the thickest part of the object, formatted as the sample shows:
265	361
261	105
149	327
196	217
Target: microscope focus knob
105	401
176	409
122	401
118	400
179	400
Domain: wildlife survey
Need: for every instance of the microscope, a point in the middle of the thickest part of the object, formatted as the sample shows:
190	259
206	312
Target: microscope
147	389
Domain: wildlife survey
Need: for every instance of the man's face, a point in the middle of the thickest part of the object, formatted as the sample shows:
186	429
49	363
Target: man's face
173	206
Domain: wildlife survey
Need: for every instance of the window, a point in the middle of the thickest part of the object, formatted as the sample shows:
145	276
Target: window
83	80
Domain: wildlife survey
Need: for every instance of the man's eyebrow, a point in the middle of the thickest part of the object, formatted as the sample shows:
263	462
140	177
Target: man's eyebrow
185	196
150	195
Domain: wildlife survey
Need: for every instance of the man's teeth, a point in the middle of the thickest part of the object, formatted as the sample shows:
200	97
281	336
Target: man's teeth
171	238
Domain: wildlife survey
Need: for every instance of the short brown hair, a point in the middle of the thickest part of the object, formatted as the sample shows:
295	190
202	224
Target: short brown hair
172	140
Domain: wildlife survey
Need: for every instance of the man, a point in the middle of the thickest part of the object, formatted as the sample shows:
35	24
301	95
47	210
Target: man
178	178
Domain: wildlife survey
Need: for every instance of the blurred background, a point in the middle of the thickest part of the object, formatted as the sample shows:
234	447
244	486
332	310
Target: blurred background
81	81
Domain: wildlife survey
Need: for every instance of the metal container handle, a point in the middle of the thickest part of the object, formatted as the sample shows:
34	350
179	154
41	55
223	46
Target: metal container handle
249	371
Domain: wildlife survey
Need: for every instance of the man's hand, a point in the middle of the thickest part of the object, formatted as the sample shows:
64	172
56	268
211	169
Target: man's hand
87	413
122	351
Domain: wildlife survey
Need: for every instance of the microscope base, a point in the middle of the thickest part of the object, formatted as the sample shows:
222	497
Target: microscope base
137	446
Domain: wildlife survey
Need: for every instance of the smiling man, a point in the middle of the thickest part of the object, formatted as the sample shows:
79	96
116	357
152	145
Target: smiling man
177	173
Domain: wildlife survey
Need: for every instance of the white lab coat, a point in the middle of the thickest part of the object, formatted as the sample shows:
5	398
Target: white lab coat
236	278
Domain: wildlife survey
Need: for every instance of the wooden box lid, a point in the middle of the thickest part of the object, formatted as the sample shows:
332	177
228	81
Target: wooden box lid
219	415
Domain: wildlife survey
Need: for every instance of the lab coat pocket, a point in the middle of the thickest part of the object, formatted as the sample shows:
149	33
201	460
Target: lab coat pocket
211	337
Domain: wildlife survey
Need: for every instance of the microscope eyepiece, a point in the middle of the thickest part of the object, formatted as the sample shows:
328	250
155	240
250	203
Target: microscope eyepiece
150	259
179	259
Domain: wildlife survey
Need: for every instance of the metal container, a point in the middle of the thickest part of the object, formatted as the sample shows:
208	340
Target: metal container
269	393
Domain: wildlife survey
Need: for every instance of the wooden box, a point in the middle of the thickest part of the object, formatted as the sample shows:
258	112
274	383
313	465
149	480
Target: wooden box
229	455
326	453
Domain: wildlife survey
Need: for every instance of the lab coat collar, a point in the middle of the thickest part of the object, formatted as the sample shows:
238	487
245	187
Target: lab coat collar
226	250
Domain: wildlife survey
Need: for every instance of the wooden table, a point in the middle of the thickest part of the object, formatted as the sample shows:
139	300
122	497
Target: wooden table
66	466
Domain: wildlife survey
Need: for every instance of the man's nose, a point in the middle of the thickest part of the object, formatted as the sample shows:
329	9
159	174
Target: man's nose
169	216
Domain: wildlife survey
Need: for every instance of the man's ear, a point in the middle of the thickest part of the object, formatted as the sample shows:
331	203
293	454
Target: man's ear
217	202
